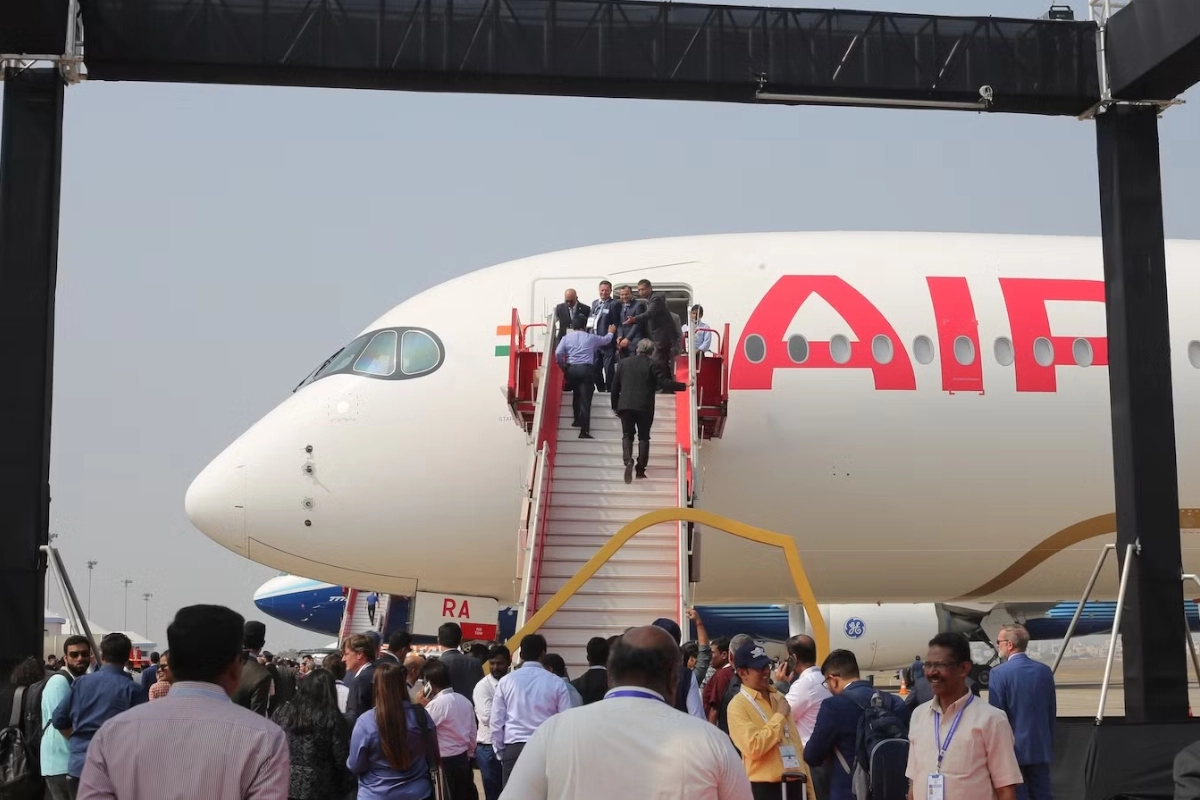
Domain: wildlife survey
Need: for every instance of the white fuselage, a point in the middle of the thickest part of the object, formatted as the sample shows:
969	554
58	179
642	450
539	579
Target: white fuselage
904	481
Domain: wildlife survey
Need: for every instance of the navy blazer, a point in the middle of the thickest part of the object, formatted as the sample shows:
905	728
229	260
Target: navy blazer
837	726
362	693
1024	690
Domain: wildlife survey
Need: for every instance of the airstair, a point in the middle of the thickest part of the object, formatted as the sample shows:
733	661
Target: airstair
356	619
576	498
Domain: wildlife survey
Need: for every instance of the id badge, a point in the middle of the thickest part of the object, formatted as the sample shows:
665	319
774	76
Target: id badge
791	760
936	788
592	323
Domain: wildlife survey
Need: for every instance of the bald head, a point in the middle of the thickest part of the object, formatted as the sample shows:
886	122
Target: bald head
803	649
570	296
646	657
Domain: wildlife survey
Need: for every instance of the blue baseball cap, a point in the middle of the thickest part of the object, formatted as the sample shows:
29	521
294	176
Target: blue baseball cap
751	656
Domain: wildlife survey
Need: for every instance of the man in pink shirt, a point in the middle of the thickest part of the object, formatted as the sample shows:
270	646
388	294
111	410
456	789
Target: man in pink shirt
959	747
193	744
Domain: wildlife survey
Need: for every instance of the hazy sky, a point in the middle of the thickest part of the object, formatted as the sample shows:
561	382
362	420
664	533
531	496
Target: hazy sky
219	242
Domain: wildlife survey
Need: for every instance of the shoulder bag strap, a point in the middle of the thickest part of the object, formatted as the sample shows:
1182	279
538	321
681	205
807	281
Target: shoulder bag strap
15	716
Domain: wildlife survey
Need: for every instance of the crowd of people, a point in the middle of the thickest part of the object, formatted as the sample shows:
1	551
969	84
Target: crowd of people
218	717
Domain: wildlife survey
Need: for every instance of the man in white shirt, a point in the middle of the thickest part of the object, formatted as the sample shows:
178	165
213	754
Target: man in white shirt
490	771
454	717
524	699
805	697
633	743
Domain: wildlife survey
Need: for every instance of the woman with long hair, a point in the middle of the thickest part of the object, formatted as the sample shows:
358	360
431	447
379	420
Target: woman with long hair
318	738
394	746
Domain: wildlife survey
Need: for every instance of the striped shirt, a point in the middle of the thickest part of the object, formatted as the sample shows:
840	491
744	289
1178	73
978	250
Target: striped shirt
193	745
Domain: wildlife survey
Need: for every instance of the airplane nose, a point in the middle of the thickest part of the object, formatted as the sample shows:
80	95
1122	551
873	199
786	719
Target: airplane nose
216	503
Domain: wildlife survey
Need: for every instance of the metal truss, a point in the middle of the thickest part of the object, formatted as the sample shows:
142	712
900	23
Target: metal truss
614	48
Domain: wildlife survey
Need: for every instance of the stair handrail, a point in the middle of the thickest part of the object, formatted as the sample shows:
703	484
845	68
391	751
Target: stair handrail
347	614
682	527
540	397
532	525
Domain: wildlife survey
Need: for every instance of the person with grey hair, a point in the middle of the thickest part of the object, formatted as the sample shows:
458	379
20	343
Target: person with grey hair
635	386
1024	690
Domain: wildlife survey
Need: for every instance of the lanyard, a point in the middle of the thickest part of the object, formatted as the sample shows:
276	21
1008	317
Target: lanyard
763	714
633	693
937	731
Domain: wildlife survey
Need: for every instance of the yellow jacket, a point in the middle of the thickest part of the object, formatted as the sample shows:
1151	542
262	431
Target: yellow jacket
759	741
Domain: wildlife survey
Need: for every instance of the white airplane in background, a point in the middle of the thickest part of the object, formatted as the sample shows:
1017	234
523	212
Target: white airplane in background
926	414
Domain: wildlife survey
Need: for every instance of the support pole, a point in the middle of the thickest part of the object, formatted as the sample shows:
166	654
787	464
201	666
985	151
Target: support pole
1143	424
1087	593
30	170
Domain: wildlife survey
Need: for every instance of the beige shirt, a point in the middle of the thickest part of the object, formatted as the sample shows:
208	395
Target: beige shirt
980	758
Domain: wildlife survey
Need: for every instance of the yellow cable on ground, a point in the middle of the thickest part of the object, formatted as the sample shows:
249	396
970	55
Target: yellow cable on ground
819	631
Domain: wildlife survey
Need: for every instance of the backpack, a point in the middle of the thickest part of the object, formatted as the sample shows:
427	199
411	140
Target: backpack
881	752
34	729
15	769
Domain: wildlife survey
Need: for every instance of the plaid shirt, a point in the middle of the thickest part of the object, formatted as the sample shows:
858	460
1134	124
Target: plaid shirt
159	689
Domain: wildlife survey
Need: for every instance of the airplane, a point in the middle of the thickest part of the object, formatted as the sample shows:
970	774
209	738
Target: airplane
317	606
927	415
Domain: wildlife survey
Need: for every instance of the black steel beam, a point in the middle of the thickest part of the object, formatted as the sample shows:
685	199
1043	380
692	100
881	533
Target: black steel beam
598	48
1153	49
1143	422
30	169
35	27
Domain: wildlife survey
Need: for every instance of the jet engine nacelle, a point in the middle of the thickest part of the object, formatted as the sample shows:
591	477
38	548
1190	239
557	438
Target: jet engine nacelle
882	637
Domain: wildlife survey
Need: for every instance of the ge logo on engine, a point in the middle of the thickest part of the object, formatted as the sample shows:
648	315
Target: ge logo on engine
855	627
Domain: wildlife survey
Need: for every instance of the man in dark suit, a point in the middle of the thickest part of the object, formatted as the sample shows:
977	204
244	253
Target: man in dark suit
635	383
660	325
835	734
465	671
359	654
1024	690
566	312
255	687
593	684
628	333
605	311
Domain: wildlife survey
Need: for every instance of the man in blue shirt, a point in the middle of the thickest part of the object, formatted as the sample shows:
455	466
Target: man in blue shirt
576	354
1024	690
95	699
150	673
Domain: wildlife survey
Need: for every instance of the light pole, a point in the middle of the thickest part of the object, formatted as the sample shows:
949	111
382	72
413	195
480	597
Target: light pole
53	536
91	566
146	630
127	581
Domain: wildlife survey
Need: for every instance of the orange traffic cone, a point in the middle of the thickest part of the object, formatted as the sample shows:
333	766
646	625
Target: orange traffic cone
903	686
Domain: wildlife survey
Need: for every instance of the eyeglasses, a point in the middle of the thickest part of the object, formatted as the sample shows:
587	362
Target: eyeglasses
938	666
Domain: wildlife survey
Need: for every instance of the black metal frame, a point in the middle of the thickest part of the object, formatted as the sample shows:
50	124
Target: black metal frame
612	48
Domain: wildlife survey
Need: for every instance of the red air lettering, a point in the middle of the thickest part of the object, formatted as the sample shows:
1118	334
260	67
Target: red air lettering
448	606
464	611
775	312
955	314
1029	321
451	608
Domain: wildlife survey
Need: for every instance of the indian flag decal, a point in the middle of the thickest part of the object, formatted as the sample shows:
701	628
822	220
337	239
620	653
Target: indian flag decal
506	332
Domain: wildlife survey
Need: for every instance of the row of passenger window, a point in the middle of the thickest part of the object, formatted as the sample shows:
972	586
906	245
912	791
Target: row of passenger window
883	350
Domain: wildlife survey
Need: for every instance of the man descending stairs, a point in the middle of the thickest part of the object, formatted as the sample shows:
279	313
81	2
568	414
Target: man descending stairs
634	393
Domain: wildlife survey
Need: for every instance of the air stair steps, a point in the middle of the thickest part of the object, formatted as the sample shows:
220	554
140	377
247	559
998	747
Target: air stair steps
589	502
355	619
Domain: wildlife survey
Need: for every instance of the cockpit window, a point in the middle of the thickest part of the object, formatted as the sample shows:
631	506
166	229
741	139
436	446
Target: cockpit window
387	354
379	357
419	353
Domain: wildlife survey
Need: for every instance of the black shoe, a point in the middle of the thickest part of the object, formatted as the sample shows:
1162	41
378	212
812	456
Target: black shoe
629	473
585	435
641	473
575	424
